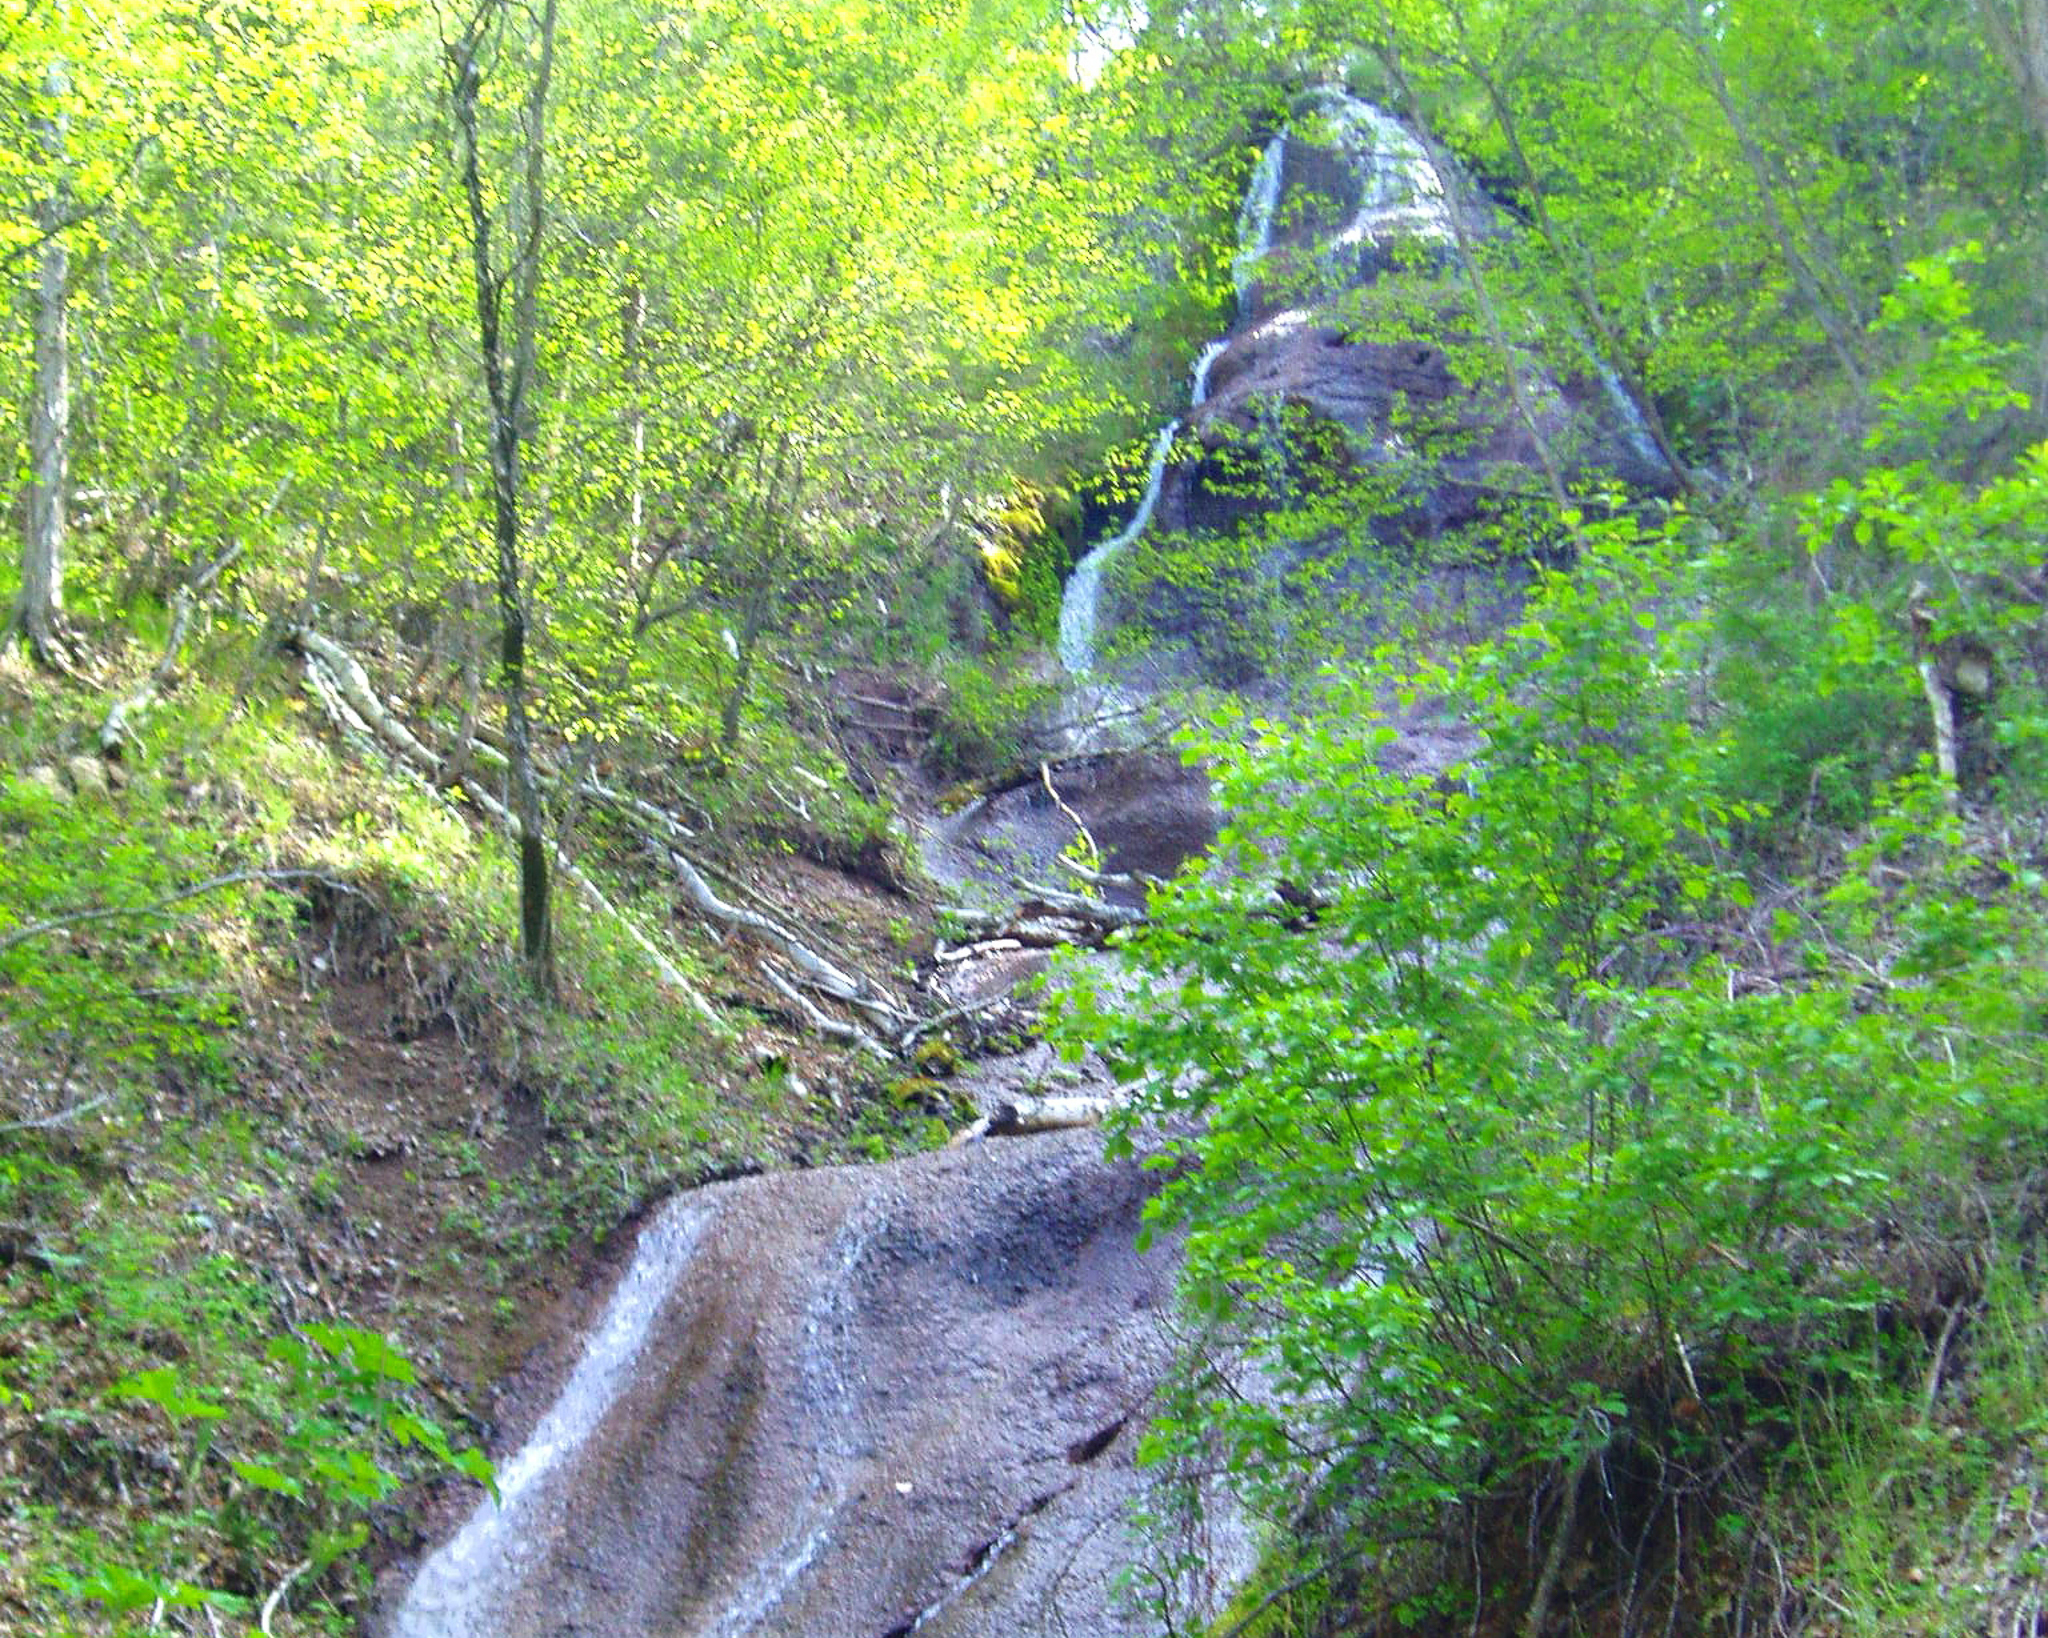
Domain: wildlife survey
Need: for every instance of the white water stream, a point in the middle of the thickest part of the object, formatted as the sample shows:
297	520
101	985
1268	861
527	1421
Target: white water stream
449	1598
1080	602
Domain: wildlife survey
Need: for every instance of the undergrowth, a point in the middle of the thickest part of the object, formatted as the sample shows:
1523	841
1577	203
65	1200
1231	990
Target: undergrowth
285	1162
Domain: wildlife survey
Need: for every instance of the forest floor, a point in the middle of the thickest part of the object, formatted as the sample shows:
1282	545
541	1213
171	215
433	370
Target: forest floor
376	1127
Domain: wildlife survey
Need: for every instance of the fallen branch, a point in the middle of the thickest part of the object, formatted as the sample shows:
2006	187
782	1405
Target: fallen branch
952	1015
968	952
341	684
1117	881
277	1595
1035	1115
819	973
63	1117
1080	825
833	1028
1080	905
123	912
353	684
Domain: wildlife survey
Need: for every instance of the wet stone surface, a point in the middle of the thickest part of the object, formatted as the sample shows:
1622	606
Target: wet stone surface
846	1402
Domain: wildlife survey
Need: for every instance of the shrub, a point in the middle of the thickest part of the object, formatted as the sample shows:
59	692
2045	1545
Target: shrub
1491	1165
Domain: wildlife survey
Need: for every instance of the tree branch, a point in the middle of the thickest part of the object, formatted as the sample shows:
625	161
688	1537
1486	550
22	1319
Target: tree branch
78	918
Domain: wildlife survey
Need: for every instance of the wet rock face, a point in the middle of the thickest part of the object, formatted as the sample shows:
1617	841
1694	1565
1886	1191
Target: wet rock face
1361	222
1147	812
868	1401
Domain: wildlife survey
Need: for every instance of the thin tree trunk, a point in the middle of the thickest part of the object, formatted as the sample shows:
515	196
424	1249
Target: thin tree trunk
507	389
1834	325
2021	43
746	645
633	326
40	614
1576	265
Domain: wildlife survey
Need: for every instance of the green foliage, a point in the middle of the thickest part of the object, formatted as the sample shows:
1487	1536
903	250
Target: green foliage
985	715
1943	554
1811	740
338	1402
131	992
1034	540
1500	1165
1908	1504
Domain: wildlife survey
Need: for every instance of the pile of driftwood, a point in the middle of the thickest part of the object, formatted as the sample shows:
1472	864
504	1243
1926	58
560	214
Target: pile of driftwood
824	989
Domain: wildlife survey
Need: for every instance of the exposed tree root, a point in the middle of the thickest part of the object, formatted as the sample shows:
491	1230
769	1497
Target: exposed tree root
1045	917
344	690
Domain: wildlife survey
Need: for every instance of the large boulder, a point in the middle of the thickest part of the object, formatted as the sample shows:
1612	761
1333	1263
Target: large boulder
1353	358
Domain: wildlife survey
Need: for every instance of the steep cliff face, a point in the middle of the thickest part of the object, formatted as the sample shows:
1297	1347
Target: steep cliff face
1354	365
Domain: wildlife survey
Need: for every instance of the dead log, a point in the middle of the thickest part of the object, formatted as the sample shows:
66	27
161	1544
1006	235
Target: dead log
1029	1116
1080	906
832	1028
815	970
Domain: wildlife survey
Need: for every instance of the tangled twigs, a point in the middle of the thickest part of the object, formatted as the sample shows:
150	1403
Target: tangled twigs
343	689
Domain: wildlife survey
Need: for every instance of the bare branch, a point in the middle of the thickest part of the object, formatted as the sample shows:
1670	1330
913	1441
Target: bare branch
129	912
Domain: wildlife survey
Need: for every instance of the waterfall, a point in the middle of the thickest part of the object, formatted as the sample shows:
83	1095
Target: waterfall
1255	219
1633	427
449	1598
1198	386
1080	601
1401	196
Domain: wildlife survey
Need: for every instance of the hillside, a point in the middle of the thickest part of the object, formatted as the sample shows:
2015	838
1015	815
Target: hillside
631	619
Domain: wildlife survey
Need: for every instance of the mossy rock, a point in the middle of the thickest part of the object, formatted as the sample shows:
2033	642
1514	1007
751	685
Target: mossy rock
937	1056
918	1092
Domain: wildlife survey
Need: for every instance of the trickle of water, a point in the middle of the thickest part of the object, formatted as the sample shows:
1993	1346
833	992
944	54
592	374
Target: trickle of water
1078	604
448	1597
1401	197
1198	386
1081	599
1255	219
830	1388
1633	427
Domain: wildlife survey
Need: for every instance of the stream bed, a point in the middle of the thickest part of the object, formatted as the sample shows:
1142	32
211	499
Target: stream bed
848	1403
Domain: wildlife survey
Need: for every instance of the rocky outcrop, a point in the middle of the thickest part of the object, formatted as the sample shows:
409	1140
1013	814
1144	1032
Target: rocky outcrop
1341	368
863	1401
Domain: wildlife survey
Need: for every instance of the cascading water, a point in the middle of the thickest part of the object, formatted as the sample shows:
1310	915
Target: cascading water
449	1598
1255	220
1401	196
1633	427
1080	602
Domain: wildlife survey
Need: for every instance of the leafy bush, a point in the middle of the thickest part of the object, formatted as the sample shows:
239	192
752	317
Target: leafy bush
1492	1165
985	716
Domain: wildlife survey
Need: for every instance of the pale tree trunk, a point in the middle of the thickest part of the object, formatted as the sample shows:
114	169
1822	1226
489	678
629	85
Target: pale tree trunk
633	327
2018	33
506	383
40	614
745	646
